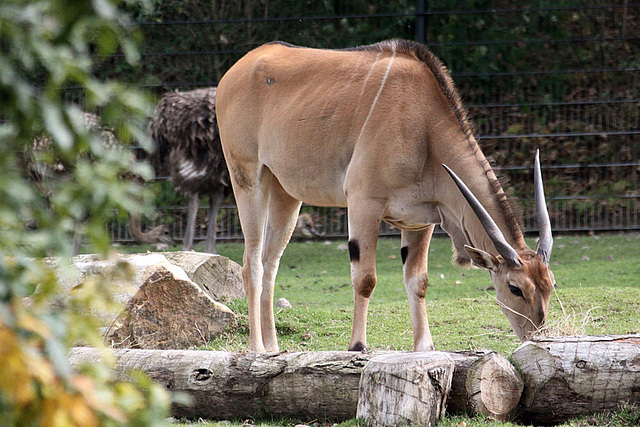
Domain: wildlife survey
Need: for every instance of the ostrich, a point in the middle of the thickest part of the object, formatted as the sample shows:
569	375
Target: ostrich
185	129
43	175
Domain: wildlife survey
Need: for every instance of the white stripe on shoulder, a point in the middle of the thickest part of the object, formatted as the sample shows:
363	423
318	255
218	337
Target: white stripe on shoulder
375	100
366	80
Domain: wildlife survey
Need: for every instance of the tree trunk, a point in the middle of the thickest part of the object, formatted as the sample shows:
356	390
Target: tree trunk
405	389
484	382
298	385
572	376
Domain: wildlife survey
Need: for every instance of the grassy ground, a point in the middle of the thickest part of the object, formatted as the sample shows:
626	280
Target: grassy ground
598	292
627	417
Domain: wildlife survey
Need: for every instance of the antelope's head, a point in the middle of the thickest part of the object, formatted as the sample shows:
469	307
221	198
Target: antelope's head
523	281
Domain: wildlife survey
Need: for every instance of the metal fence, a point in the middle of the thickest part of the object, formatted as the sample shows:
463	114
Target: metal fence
580	103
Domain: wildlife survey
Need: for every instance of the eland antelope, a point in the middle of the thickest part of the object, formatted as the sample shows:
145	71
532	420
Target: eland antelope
370	129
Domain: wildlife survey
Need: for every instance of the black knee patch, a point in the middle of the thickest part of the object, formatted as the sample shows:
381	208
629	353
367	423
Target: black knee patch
354	250
404	253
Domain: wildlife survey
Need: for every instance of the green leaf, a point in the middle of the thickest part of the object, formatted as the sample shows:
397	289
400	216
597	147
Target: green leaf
55	125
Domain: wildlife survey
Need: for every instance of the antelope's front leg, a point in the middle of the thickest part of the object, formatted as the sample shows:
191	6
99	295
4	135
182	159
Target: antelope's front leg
363	237
415	252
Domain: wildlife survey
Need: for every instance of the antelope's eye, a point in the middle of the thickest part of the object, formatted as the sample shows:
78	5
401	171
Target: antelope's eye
516	291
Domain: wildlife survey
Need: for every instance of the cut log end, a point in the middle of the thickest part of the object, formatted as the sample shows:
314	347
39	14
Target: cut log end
405	389
484	382
494	387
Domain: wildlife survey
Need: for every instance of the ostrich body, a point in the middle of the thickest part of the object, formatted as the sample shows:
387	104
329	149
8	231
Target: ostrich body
185	129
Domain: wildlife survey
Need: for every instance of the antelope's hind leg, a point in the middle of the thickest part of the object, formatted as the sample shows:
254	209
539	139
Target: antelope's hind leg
250	186
282	214
415	252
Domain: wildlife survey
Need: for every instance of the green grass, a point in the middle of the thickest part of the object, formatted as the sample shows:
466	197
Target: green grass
628	416
598	284
598	293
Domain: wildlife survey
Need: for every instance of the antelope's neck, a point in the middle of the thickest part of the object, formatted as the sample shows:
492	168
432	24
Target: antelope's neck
457	216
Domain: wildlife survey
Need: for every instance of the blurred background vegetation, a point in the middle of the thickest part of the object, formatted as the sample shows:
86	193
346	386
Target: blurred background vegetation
46	46
563	77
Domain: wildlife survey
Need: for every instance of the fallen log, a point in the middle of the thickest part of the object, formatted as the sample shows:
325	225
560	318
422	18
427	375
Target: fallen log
298	385
405	389
220	277
567	377
318	385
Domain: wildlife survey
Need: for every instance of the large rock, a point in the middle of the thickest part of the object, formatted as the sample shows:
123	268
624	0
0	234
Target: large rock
163	301
168	311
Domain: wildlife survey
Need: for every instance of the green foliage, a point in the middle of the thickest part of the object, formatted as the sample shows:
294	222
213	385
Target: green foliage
534	37
183	52
47	46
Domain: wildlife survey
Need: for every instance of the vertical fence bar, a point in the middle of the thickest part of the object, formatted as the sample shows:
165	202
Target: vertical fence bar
421	21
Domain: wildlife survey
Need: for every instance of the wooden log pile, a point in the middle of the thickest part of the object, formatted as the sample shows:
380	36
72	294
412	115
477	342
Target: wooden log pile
313	385
171	302
560	378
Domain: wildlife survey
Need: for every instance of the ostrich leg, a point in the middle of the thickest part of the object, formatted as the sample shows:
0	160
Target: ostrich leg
187	242
76	243
215	201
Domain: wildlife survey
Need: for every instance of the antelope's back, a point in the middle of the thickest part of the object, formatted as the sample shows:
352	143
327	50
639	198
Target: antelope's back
336	113
278	89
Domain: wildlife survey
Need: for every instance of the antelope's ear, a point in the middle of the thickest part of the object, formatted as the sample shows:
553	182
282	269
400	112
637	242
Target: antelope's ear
482	259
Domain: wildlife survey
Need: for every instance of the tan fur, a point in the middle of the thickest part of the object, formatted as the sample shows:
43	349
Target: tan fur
365	128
